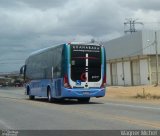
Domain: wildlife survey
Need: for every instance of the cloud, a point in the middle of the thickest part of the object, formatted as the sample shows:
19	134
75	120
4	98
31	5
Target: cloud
140	4
29	25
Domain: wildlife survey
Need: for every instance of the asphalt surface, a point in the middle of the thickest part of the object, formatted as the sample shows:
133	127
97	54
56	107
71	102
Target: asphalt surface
19	113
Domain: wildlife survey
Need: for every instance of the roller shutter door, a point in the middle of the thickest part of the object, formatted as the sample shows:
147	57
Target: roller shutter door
153	69
135	72
114	74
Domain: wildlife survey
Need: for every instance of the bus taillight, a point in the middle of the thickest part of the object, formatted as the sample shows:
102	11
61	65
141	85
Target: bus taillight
65	81
104	82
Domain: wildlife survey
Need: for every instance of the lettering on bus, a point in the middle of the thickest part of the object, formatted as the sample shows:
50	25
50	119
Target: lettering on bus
85	48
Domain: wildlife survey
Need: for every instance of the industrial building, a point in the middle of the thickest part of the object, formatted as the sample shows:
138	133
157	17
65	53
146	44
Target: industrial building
132	59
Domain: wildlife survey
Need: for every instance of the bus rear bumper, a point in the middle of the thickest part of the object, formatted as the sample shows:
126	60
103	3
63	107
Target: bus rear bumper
77	92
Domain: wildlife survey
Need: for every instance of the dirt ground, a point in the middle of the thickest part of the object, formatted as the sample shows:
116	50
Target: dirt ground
145	94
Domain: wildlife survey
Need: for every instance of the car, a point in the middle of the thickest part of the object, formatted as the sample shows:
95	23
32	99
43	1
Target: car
18	83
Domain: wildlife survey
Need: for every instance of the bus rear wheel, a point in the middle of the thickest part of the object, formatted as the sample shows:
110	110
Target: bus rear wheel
49	96
31	97
84	100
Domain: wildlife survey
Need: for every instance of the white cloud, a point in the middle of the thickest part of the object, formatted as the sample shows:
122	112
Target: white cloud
28	25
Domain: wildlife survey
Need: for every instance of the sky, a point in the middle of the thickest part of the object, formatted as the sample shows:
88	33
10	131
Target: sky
29	25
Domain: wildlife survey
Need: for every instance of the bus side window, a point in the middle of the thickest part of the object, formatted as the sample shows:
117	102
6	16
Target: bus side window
63	62
57	72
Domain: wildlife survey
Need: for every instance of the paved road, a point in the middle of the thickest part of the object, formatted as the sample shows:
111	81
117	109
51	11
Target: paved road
17	112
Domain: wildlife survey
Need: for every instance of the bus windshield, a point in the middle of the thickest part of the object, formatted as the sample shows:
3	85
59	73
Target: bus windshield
86	59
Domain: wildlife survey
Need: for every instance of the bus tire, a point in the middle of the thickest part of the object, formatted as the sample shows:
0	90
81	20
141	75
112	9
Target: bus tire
84	100
31	97
49	95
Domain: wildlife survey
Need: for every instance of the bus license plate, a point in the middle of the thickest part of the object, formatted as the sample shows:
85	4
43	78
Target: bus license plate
86	93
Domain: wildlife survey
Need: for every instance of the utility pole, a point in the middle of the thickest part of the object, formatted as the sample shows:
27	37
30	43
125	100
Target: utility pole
157	64
131	22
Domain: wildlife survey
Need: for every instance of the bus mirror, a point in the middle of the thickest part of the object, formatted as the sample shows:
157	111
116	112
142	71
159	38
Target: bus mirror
22	69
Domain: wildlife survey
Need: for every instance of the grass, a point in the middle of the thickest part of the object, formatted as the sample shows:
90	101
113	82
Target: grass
134	92
145	95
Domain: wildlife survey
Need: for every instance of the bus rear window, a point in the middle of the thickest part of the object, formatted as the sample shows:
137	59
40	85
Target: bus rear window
86	58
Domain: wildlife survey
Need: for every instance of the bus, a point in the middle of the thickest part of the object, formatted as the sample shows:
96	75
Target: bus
66	71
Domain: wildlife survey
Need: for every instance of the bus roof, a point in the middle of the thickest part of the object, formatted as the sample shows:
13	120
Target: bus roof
86	43
54	46
44	49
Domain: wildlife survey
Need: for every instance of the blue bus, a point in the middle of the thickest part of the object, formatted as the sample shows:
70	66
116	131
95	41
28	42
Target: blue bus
70	70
